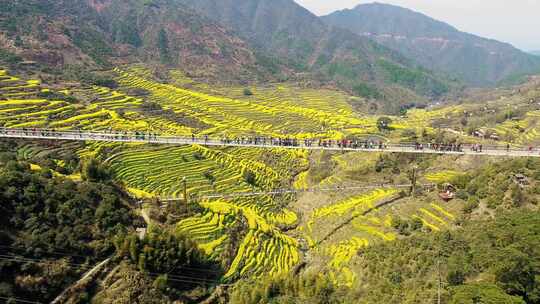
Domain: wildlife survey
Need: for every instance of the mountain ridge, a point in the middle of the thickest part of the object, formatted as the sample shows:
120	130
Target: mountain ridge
435	44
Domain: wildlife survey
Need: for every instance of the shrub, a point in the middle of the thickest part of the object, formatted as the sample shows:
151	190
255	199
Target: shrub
482	293
94	171
517	196
493	201
57	96
471	204
462	194
409	133
250	177
383	123
105	82
364	90
455	276
198	155
401	226
416	224
209	176
9	57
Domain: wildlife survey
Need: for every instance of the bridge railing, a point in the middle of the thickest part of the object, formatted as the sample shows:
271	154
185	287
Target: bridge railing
356	145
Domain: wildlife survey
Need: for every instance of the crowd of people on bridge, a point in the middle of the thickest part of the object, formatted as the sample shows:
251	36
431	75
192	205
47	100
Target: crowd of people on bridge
32	132
443	147
349	144
293	142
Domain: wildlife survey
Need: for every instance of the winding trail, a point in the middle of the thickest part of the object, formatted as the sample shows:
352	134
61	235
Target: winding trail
86	278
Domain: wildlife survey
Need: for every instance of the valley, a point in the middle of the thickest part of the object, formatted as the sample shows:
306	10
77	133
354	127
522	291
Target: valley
281	230
178	151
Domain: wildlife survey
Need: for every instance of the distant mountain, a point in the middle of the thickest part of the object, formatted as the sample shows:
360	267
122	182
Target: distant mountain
294	35
537	53
436	45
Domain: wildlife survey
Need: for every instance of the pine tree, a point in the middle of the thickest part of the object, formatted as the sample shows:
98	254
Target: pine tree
163	46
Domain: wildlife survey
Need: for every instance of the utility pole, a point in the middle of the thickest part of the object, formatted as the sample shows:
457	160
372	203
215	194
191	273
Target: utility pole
186	199
413	181
440	281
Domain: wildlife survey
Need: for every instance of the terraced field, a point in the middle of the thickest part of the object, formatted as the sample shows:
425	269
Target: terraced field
185	108
525	131
264	250
365	230
440	177
278	111
435	217
421	118
158	171
268	115
206	170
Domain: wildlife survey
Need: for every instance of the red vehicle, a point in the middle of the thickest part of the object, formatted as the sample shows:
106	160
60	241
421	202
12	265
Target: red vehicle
448	192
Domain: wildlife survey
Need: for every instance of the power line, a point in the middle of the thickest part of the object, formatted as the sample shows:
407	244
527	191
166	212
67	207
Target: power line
48	252
75	255
296	191
173	277
14	258
20	300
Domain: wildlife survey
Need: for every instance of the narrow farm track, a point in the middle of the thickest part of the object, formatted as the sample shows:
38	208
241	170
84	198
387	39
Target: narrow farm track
86	279
266	144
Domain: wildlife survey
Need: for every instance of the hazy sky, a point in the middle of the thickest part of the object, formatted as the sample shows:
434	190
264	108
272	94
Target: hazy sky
513	21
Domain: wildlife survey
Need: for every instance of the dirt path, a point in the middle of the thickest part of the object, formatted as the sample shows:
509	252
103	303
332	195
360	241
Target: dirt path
86	278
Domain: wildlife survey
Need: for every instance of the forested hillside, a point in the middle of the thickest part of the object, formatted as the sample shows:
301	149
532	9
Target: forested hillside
56	227
100	34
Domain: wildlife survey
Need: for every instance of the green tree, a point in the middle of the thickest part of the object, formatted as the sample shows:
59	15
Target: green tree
383	123
94	171
250	177
47	215
455	276
517	196
161	282
163	46
367	91
18	41
482	293
519	274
